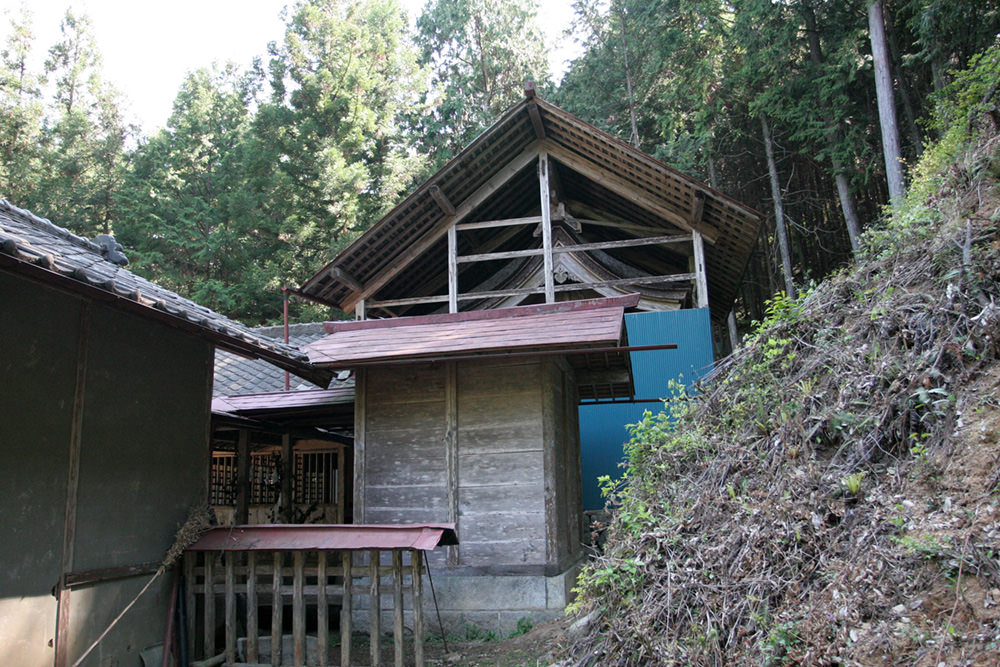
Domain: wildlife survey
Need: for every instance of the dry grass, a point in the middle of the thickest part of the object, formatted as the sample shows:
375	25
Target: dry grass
831	497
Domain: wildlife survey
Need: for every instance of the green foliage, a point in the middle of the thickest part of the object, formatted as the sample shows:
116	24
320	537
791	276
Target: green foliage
524	625
480	54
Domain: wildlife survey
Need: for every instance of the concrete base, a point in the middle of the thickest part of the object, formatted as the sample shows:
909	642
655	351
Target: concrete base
478	603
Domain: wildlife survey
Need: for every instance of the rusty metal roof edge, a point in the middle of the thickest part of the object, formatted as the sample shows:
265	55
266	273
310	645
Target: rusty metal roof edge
326	537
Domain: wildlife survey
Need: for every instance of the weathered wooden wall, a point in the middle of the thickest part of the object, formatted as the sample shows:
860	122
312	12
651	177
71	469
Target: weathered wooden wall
491	445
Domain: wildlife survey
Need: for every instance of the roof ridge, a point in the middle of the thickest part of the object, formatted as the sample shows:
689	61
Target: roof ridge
51	227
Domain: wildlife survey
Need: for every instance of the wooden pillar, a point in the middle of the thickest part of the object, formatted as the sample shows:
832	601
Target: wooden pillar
322	610
397	606
452	270
276	609
230	607
189	601
346	608
701	278
252	642
360	418
72	487
341	480
287	471
242	478
374	606
451	450
543	186
734	337
417	586
209	590
298	609
359	310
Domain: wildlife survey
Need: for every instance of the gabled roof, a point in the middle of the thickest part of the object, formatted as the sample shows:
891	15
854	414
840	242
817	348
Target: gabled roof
589	333
494	178
47	253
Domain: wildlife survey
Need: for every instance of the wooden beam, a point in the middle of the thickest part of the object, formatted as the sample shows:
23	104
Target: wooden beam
624	243
509	254
697	207
524	291
544	194
629	191
432	236
347	279
442	201
536	121
491	224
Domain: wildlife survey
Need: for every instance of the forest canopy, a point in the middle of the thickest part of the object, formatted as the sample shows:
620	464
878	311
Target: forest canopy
263	173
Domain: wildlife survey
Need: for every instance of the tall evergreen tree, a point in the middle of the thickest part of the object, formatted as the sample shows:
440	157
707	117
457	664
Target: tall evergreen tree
21	112
481	53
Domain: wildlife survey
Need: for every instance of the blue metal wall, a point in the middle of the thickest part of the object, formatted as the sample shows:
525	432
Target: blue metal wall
602	427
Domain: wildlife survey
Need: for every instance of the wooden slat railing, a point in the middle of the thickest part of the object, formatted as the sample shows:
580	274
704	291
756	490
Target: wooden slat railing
310	581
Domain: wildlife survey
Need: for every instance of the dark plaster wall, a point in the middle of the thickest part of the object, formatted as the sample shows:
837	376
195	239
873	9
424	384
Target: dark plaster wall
143	463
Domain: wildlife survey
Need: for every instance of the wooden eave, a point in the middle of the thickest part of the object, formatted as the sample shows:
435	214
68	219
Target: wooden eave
494	178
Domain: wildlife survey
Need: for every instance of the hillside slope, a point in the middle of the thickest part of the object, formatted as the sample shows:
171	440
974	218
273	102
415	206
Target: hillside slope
833	495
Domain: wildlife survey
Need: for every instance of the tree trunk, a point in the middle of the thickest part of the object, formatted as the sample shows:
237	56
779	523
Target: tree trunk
843	186
628	81
886	105
779	210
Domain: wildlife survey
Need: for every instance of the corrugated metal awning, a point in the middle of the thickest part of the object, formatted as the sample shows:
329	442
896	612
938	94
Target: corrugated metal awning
327	537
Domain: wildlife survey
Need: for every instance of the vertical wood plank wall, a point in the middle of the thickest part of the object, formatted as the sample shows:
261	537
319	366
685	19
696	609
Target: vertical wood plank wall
513	490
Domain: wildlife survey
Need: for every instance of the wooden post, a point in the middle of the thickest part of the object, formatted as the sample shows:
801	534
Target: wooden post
230	608
543	185
359	310
252	642
287	471
189	601
417	587
397	605
452	270
209	589
360	419
242	478
346	606
72	487
374	605
276	610
451	450
701	277
341	480
322	610
299	608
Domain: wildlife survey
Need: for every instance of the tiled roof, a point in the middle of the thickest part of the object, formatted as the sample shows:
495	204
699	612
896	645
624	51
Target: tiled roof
238	375
33	246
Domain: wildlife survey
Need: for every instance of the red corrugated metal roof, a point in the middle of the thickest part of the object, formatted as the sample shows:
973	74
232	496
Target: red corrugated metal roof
542	328
326	537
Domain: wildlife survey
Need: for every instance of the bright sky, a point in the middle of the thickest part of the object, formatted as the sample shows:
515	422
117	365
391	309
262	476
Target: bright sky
148	46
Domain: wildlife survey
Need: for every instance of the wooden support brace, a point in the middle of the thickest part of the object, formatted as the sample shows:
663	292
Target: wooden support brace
346	278
536	121
697	208
442	200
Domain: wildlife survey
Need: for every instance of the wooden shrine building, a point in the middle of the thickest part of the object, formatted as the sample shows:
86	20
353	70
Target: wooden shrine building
456	422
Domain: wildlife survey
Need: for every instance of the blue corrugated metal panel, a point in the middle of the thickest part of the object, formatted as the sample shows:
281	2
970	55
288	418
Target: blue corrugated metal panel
602	427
